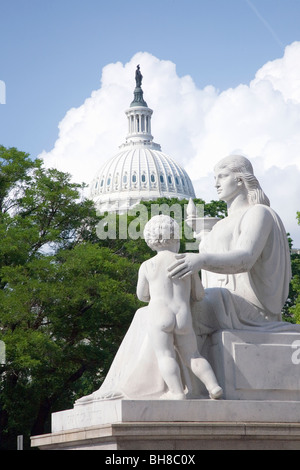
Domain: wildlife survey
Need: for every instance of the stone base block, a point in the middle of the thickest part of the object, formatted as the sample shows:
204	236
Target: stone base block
102	412
260	376
256	365
175	437
175	425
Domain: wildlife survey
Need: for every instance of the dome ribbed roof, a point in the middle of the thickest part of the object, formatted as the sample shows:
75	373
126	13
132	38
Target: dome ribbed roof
136	174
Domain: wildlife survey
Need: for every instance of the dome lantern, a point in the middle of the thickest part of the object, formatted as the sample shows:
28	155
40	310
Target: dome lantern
139	117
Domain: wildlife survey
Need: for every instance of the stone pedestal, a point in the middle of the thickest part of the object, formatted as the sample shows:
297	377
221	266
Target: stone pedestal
103	412
175	425
260	409
180	437
255	365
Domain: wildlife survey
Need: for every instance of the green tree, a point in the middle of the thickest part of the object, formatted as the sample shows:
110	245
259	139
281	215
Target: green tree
293	303
65	300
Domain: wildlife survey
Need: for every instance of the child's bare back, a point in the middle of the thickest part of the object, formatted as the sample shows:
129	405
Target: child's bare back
169	300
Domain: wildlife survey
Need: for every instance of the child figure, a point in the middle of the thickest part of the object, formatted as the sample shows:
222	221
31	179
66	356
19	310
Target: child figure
170	321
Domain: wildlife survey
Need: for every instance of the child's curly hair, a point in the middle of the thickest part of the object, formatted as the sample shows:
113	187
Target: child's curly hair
161	231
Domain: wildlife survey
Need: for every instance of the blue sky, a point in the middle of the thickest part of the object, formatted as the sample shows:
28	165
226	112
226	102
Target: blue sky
221	76
52	51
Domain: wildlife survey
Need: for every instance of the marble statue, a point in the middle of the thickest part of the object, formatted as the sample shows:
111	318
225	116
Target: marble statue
169	321
169	341
245	269
138	77
244	259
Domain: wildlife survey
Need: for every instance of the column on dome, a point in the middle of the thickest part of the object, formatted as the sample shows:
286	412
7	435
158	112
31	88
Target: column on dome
139	126
142	122
149	125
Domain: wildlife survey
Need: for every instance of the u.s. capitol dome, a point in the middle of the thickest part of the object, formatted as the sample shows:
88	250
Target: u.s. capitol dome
140	171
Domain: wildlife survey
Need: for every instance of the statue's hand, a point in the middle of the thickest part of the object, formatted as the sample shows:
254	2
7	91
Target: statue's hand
186	265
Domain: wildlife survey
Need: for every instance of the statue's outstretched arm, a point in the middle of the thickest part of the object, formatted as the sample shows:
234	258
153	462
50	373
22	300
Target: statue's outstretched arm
254	232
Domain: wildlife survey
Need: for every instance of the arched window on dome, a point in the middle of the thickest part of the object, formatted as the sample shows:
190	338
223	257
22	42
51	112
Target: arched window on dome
134	178
170	179
177	180
108	181
143	178
183	182
152	178
125	178
162	178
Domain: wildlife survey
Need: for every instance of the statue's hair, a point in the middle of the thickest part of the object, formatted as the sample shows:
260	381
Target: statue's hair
243	169
161	231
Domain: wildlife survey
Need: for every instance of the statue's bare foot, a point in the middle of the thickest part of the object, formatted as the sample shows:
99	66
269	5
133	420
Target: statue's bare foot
172	396
216	393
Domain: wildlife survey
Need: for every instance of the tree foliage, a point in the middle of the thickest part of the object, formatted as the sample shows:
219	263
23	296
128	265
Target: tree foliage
65	300
292	307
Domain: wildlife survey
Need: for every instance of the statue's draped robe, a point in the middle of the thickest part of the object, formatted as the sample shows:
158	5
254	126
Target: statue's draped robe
134	372
249	300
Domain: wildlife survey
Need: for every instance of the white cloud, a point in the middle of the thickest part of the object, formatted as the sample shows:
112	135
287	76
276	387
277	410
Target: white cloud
195	126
